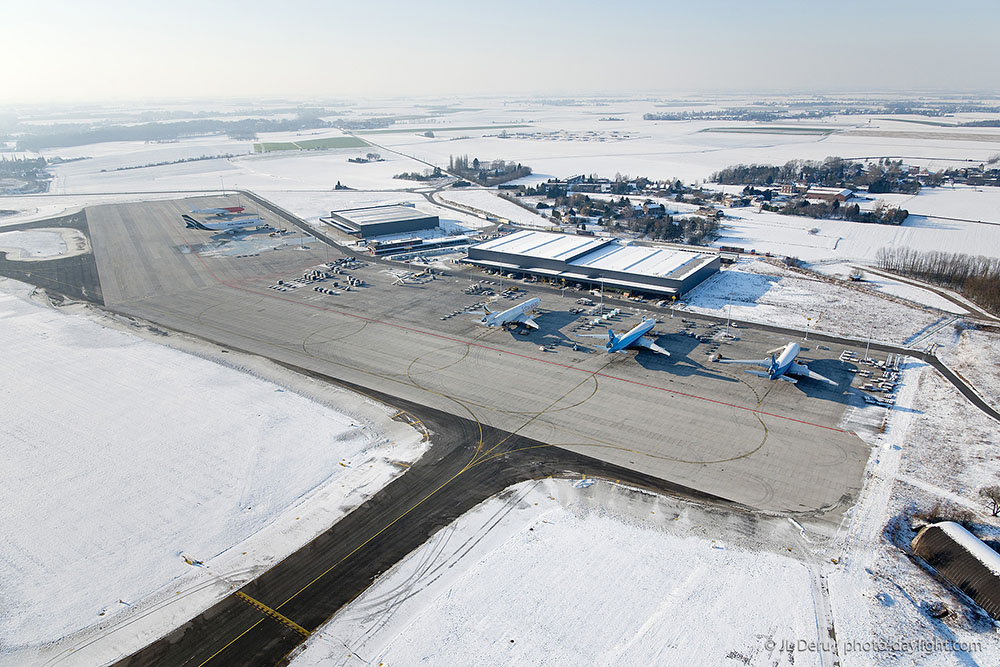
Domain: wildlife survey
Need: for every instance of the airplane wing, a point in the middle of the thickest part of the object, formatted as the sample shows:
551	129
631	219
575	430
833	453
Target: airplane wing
651	345
763	363
800	369
766	376
527	321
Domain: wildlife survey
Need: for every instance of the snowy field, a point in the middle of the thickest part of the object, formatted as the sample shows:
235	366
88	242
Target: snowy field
896	288
853	241
127	456
674	149
976	355
489	202
43	244
543	575
761	292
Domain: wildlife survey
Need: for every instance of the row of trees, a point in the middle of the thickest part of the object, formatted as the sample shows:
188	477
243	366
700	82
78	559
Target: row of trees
427	175
883	213
486	172
975	276
882	176
691	229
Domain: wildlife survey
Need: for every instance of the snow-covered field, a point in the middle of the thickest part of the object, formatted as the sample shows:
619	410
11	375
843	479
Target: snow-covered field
126	456
671	149
852	241
976	356
545	574
43	244
489	202
761	292
843	271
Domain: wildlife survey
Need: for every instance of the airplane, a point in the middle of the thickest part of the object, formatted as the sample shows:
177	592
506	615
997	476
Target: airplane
515	315
224	225
635	337
403	279
780	367
220	212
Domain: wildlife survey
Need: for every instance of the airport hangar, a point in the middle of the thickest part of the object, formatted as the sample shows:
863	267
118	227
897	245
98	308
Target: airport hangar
594	261
369	221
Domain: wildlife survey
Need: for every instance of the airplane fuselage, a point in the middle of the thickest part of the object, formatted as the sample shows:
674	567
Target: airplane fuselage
224	225
784	360
629	338
511	314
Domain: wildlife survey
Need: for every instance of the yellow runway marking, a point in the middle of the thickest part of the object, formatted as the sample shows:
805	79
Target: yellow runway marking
267	611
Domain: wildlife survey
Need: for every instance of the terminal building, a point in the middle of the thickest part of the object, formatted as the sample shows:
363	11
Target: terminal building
589	260
369	221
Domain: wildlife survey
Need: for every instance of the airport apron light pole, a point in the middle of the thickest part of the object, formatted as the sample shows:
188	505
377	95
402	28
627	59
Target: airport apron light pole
871	330
729	314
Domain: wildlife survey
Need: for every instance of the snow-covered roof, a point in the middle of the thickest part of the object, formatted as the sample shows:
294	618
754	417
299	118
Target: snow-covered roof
638	259
964	560
975	546
545	244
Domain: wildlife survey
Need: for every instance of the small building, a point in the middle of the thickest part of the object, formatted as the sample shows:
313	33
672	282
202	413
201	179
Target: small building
369	221
963	560
828	194
655	210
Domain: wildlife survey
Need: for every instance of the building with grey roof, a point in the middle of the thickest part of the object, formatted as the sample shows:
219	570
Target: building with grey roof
369	221
591	260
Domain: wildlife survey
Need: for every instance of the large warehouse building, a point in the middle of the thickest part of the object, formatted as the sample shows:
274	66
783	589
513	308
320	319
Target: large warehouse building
593	260
369	221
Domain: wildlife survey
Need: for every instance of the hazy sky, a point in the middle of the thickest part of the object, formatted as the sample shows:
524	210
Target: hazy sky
60	50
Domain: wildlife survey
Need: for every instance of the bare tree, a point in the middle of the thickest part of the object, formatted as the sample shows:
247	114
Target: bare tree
991	494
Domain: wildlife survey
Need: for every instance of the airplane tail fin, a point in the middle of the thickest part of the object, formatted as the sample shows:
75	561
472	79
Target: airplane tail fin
486	309
612	339
191	223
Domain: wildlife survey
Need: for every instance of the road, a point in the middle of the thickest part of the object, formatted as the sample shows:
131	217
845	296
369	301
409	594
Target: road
944	294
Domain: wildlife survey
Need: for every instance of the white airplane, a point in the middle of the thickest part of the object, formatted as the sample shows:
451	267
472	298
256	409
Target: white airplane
233	225
223	212
634	337
780	367
515	315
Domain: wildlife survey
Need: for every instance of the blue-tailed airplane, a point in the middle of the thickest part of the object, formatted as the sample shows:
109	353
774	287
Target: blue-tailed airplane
223	225
516	315
635	337
780	367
